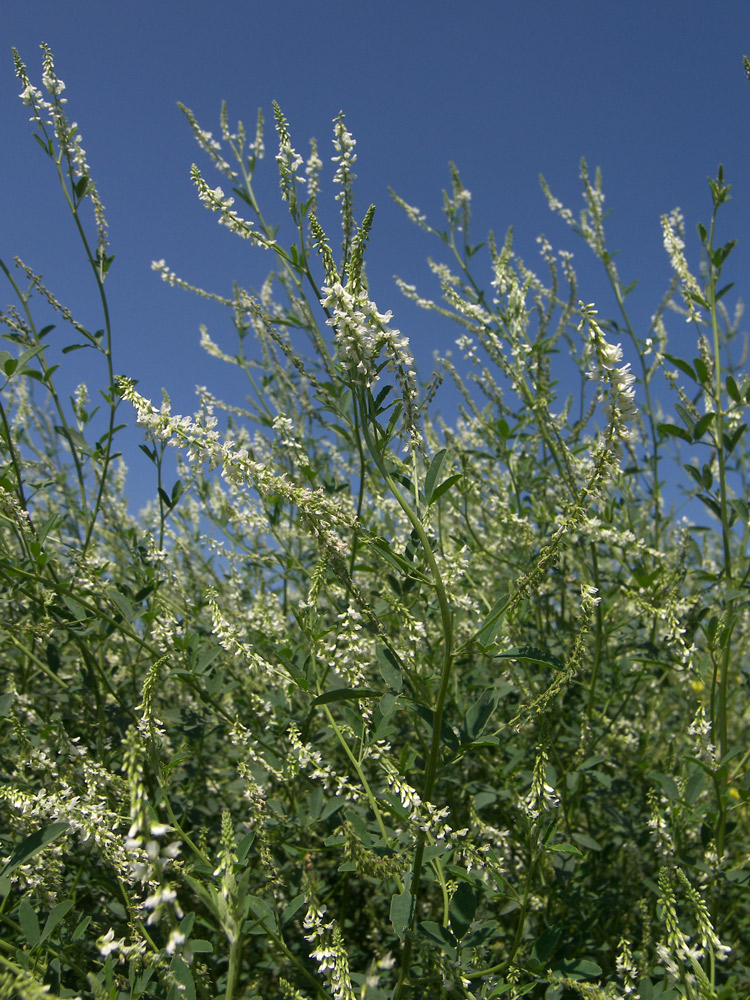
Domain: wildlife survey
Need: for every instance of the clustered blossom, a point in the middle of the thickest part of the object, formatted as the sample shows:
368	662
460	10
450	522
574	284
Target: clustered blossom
50	114
328	950
673	230
13	510
215	200
150	860
312	174
680	956
541	796
659	826
209	145
700	728
229	639
91	818
605	358
361	335
351	649
413	214
202	443
345	159
424	816
288	161
304	757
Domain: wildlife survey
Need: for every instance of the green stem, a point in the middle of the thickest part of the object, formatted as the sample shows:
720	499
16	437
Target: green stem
430	775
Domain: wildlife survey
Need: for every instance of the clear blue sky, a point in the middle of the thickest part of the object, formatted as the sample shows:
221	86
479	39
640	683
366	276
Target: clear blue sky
652	91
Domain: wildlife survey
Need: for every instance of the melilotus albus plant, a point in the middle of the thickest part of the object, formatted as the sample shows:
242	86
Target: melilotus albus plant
363	705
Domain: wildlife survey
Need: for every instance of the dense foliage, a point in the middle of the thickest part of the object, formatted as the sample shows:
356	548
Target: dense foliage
364	705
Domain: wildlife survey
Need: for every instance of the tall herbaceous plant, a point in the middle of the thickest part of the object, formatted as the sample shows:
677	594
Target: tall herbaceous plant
364	705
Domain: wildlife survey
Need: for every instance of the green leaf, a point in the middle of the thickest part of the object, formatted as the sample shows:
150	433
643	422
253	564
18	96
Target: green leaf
740	508
695	474
294	907
447	735
377	405
184	977
16	366
445	486
436	932
667	784
126	608
683	365
565	849
492	623
672	430
546	944
389	668
262	911
6	700
402	909
29	923
687	417
397	561
479	714
533	654
462	908
206	658
733	390
434	471
701	370
56	915
700	428
710	503
345	694
696	784
518	991
33	844
75	439
730	440
79	612
577	969
588	842
81	928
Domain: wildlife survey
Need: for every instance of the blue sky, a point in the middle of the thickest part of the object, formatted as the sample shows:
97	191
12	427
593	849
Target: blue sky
652	92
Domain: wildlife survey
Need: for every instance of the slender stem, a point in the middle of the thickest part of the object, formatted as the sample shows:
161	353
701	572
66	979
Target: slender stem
430	775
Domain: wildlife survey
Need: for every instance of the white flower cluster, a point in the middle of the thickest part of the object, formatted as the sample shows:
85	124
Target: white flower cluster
361	336
700	727
344	144
209	145
673	231
289	161
312	173
541	796
424	816
15	513
605	359
202	443
680	955
329	951
360	331
214	199
46	114
305	758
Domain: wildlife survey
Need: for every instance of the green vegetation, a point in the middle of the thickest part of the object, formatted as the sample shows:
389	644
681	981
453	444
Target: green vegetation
363	705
